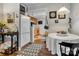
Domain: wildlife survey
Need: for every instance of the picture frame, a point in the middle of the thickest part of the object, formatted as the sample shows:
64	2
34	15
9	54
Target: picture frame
56	21
10	17
22	9
39	22
62	16
52	14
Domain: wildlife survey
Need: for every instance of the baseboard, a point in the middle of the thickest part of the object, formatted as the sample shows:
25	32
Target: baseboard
26	45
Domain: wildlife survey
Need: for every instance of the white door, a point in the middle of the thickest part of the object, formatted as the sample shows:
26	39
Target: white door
25	38
25	30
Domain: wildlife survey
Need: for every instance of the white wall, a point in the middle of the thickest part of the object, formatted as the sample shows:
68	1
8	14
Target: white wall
63	23
11	8
1	11
75	18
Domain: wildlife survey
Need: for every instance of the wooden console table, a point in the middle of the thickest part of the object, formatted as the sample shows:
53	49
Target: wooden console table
11	34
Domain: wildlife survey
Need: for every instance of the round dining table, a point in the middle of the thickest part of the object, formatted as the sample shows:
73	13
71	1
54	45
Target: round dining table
53	40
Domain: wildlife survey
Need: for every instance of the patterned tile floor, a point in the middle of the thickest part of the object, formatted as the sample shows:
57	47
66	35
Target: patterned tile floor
32	50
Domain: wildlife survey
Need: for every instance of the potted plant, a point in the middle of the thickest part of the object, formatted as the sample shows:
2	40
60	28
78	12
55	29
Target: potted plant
2	26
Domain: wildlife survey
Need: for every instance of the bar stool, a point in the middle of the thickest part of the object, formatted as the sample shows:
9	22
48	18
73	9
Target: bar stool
71	46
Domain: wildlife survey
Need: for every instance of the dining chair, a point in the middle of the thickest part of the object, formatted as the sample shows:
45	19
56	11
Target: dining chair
71	47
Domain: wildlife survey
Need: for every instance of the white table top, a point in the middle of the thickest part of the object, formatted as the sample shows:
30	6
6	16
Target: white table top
68	37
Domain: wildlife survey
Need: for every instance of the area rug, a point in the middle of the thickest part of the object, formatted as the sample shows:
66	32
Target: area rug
31	50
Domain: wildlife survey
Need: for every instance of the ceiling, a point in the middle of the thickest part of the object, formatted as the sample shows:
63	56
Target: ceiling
33	6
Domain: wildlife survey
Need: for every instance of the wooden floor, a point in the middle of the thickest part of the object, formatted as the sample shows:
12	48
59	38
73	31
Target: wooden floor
43	52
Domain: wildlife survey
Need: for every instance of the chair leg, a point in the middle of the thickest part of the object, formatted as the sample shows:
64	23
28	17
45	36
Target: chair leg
77	52
61	50
71	52
65	49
